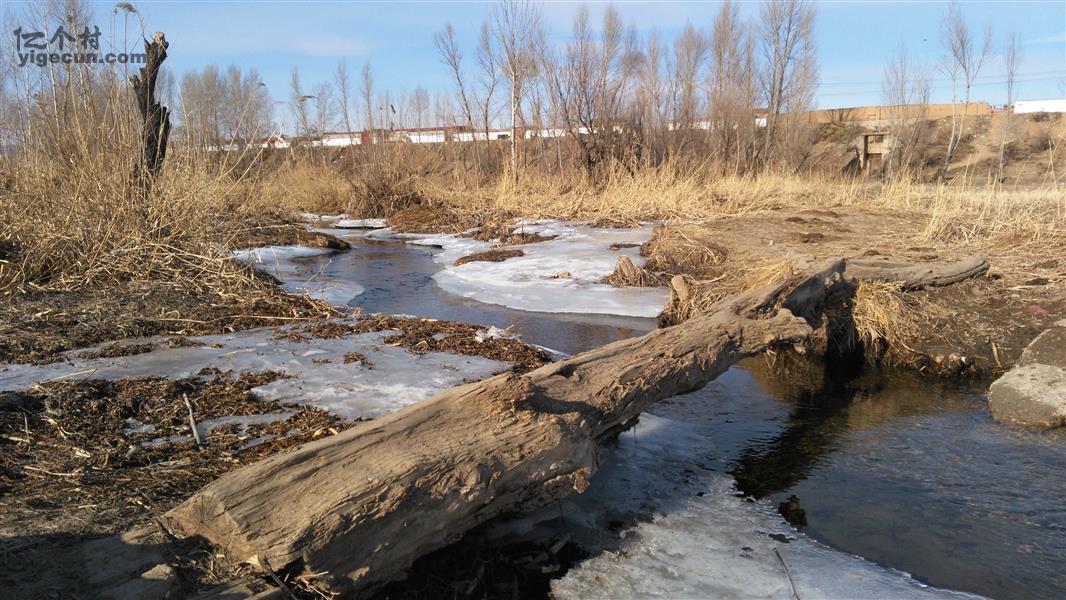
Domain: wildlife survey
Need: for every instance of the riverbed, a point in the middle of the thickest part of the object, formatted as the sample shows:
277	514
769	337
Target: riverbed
908	472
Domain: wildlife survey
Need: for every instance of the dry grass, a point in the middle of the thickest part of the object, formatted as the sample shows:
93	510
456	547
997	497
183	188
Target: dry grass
628	274
690	297
682	249
886	316
308	188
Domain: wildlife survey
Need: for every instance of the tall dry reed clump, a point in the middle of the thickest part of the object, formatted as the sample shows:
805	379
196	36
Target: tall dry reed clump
72	214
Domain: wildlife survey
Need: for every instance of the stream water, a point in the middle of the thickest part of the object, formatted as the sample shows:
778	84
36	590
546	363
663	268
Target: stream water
908	472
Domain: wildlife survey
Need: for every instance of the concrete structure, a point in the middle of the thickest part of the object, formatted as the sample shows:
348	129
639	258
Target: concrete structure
902	111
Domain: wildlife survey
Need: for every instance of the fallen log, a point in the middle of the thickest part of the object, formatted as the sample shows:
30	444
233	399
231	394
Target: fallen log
364	504
915	276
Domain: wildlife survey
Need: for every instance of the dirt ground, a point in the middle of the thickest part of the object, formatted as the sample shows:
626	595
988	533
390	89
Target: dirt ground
984	322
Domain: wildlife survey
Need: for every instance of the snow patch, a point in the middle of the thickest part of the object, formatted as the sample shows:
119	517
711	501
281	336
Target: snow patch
494	333
393	379
359	223
561	275
243	422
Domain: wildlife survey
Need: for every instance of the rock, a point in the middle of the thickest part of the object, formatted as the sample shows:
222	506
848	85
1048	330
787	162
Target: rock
1033	394
158	582
791	510
1034	391
1049	348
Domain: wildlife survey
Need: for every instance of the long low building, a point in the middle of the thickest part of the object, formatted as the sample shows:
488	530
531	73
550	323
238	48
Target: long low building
1056	105
870	115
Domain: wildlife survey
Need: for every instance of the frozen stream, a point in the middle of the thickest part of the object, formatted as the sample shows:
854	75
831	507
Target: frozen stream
910	474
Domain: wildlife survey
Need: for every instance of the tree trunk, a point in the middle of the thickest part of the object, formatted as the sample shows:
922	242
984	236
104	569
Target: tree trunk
915	276
514	133
156	117
363	505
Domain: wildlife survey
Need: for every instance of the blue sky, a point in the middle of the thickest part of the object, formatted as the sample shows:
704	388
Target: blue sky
855	39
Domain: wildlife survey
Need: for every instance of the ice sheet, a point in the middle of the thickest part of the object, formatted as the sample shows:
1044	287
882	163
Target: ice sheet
243	422
695	538
560	275
359	223
394	378
296	278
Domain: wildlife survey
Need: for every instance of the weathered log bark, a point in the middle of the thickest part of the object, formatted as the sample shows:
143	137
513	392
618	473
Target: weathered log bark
363	505
156	117
915	276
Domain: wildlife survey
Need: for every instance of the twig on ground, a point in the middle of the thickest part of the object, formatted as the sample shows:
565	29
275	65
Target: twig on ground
788	573
192	420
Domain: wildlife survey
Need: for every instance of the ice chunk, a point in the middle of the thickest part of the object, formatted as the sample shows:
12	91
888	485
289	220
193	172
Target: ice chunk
295	277
561	275
494	333
243	422
359	223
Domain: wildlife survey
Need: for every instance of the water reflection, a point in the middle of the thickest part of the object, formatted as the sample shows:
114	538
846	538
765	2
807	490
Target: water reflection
909	472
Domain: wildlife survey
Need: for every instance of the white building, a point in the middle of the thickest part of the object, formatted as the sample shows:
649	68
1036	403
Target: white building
1057	105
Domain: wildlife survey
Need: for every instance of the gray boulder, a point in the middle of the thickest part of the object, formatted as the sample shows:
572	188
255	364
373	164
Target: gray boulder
1034	391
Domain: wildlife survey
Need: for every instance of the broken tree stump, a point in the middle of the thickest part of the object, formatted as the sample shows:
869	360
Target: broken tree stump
364	504
156	118
628	274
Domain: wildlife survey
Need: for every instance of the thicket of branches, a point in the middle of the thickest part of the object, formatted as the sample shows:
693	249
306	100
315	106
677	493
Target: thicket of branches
725	95
633	100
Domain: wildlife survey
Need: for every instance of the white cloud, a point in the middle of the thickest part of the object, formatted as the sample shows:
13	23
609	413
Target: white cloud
1051	39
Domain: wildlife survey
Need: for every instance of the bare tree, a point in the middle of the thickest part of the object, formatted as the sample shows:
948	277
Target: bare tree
220	108
906	90
325	108
297	106
649	110
489	78
589	83
789	72
690	55
516	34
733	87
342	82
366	90
452	57
420	106
1012	58
962	63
